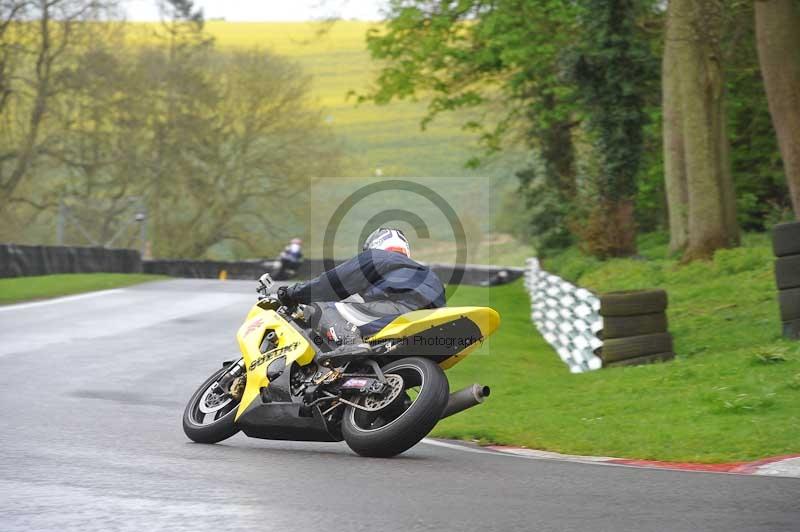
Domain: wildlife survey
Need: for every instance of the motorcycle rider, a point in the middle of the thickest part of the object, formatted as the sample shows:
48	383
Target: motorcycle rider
290	259
360	296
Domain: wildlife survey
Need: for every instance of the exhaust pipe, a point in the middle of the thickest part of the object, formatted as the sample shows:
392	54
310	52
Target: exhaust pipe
465	398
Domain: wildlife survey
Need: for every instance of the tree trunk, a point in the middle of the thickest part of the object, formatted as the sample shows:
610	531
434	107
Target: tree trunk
609	229
726	181
674	156
623	227
711	213
778	42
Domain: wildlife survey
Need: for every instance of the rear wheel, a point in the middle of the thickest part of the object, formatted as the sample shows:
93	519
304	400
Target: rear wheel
209	416
418	396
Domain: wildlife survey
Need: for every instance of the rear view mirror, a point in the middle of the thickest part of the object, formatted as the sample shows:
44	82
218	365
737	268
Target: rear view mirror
265	282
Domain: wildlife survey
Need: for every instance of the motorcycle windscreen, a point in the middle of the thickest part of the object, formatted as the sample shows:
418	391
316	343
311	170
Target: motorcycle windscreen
446	335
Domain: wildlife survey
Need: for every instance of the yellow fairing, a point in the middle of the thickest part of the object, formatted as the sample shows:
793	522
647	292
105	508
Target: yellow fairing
486	319
291	344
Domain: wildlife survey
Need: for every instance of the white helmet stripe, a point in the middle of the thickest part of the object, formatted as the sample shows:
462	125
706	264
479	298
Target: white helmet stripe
392	239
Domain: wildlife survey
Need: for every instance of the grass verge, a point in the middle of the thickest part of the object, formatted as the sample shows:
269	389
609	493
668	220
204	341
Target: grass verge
733	392
16	289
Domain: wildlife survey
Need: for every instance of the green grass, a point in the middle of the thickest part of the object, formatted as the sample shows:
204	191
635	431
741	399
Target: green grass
16	289
733	392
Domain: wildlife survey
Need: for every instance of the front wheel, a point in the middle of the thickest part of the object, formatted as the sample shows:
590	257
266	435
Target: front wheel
209	416
419	396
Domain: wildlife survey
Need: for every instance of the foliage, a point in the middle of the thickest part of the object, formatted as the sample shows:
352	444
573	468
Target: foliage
543	73
516	64
762	195
35	39
700	407
365	136
478	55
504	62
651	206
216	146
614	71
544	223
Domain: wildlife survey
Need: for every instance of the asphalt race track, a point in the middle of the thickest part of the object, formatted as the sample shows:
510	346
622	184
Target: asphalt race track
92	389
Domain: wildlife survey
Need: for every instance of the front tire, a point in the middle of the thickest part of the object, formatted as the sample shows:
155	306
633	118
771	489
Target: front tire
403	423
211	426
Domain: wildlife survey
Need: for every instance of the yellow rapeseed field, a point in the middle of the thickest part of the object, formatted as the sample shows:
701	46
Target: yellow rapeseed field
386	137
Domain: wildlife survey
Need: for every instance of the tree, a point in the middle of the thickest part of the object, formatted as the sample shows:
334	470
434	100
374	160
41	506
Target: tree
242	143
512	64
504	64
217	146
180	96
38	38
244	171
674	156
696	142
614	72
98	138
778	41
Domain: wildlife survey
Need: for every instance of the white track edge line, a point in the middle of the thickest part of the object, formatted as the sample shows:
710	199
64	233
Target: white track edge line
551	458
437	443
604	461
66	299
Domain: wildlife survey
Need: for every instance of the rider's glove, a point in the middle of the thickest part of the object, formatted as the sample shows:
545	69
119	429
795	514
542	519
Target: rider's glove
284	296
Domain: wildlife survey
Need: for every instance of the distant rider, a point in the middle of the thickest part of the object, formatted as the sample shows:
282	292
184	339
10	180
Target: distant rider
378	284
290	259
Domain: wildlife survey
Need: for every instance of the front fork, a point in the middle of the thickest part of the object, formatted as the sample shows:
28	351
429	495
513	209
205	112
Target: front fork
232	382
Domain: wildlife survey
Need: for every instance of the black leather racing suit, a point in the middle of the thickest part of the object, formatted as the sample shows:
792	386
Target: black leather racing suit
378	286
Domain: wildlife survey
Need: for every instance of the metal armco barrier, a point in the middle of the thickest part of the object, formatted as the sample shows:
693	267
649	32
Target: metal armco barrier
469	274
19	261
567	316
207	269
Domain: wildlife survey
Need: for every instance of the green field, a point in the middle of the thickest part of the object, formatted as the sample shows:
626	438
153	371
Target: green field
16	289
733	392
386	137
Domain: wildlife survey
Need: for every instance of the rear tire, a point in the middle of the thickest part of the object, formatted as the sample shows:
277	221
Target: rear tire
217	430
409	427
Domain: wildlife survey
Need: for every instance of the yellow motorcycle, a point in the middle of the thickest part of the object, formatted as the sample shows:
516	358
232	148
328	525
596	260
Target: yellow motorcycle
381	396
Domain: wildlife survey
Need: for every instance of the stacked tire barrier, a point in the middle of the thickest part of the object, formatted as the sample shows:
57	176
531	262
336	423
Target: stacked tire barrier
567	317
19	261
634	328
590	331
786	246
